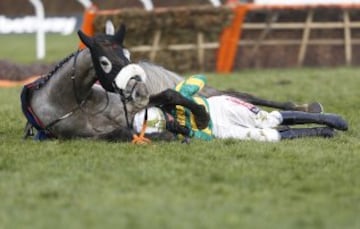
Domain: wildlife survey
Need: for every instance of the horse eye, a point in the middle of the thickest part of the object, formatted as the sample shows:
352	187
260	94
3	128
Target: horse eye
105	64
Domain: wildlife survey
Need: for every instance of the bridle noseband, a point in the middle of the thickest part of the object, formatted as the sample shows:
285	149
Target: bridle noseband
126	99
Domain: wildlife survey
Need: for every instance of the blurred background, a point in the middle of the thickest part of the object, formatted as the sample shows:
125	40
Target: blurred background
73	7
201	35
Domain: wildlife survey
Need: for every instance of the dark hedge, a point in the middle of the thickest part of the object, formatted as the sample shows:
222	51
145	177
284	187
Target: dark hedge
178	25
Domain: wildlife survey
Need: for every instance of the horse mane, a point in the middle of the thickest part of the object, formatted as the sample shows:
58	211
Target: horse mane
60	64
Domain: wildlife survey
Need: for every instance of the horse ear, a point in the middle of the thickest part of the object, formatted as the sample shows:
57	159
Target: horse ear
109	28
120	35
85	39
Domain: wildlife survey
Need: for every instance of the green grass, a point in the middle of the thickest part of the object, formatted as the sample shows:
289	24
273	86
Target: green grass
306	183
22	48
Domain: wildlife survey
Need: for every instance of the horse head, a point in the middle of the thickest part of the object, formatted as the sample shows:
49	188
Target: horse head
130	83
108	55
112	65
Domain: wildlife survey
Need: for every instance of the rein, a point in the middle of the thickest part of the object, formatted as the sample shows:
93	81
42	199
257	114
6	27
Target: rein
124	101
137	139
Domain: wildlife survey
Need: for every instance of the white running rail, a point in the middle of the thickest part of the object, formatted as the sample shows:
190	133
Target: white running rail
40	33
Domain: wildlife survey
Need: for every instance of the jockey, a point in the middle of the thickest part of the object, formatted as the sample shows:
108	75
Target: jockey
183	116
234	118
179	116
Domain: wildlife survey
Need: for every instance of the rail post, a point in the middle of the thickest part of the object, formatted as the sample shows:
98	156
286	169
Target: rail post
229	40
88	19
40	33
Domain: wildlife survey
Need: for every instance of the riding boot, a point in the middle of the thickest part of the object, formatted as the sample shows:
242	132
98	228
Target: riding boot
292	133
299	117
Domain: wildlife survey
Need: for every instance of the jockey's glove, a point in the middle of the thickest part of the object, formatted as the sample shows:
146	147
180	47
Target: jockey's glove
176	128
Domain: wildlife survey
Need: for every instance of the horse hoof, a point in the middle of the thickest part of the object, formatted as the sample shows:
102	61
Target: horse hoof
315	107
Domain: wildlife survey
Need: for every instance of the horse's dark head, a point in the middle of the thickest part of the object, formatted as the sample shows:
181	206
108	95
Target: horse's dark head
112	65
108	55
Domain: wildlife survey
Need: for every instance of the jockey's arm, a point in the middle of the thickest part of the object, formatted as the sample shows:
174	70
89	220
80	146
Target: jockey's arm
191	85
174	127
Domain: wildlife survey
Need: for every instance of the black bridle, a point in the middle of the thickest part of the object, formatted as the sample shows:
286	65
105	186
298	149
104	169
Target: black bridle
124	100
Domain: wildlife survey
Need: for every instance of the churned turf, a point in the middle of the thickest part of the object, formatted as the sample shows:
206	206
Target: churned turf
307	183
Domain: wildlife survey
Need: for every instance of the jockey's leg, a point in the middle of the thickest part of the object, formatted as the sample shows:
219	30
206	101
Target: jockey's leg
246	133
325	132
227	110
298	117
234	118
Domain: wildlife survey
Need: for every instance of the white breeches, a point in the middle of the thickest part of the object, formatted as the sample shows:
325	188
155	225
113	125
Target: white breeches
234	118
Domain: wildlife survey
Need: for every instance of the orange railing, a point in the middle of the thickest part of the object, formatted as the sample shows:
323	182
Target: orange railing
229	40
88	22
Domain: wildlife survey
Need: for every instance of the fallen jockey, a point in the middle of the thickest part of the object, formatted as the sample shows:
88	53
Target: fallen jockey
234	118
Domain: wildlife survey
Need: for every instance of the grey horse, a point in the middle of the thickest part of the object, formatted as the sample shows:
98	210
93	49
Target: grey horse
66	103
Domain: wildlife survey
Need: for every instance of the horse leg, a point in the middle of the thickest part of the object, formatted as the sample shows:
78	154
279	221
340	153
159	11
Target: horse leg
314	107
171	97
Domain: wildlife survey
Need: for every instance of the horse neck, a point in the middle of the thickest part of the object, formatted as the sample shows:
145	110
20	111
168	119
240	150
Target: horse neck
74	78
85	75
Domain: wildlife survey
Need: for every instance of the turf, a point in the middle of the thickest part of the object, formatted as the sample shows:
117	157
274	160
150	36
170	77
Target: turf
307	183
22	48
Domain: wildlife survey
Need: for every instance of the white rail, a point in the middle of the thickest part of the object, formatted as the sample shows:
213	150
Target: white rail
85	3
148	4
40	34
